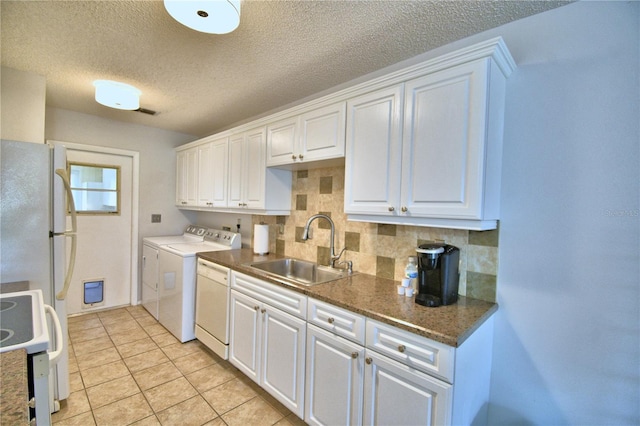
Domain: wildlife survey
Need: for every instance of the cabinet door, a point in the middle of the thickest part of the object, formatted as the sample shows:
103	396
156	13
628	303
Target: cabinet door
255	169
237	151
282	142
181	180
220	167
373	152
395	394
334	379
187	177
444	139
283	349
244	335
322	133
205	175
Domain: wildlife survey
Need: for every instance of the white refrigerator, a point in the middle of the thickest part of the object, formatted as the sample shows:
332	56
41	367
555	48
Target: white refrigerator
34	235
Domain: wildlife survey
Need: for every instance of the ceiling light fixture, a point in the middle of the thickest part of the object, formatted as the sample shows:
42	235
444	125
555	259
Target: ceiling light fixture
117	95
207	16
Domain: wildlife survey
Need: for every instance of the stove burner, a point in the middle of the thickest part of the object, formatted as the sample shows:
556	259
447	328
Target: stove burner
16	320
5	334
6	305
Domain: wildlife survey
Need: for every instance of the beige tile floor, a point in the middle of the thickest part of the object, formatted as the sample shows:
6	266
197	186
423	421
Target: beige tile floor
126	369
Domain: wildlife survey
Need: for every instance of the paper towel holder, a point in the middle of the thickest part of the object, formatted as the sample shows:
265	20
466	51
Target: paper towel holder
261	239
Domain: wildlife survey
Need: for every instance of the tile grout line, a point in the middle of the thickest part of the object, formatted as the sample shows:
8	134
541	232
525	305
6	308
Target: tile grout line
105	327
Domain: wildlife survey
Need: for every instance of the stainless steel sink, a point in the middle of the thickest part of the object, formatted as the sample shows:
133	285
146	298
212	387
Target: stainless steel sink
299	271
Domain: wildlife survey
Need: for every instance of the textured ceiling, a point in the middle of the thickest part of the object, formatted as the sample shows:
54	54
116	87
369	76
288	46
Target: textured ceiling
201	83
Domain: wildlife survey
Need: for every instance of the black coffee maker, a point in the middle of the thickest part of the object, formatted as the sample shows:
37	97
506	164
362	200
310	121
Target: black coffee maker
438	275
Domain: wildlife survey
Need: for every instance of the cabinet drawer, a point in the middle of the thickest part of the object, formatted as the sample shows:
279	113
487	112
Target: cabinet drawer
412	350
278	297
337	320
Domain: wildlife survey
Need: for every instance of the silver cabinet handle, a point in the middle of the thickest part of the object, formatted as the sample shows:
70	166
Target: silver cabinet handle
368	360
354	355
330	320
401	348
293	157
256	307
404	209
263	310
301	156
391	209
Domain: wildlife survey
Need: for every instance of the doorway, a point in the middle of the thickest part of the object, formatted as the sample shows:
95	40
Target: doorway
107	249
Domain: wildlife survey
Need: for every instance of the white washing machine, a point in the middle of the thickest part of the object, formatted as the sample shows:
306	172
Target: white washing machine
150	246
177	280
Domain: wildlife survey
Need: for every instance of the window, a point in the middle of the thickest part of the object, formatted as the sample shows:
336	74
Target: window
95	188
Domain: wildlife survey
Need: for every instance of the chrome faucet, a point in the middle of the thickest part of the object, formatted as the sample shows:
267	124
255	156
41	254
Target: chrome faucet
305	236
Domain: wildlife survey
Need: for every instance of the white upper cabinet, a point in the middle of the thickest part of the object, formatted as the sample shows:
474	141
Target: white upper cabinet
422	146
246	163
373	152
442	165
282	142
251	185
227	173
187	177
312	136
212	173
322	133
445	145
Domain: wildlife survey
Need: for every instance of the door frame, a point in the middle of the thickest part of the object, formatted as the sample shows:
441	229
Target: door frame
135	183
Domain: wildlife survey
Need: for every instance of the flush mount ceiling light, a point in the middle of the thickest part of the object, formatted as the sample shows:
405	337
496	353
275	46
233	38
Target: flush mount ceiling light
207	16
117	95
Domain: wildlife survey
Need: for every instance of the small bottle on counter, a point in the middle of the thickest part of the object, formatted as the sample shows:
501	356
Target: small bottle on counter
411	271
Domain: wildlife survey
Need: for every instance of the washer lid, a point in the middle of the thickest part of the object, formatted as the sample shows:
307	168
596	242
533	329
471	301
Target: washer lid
191	249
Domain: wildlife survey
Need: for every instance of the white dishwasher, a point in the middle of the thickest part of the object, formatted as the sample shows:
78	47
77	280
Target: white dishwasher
212	307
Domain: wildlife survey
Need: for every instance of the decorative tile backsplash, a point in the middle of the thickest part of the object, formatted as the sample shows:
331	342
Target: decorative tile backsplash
375	249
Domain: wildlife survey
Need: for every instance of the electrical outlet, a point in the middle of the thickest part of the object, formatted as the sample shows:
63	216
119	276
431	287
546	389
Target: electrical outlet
156	218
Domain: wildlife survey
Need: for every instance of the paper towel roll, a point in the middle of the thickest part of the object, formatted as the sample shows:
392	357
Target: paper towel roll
261	239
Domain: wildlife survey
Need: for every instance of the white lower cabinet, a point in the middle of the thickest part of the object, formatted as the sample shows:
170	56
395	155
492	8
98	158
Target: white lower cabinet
266	343
244	337
334	381
396	394
331	366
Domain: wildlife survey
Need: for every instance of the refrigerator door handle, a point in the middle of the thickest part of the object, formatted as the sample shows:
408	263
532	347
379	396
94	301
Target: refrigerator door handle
70	233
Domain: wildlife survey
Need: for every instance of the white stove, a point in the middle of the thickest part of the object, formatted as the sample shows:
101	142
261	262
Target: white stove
177	279
23	325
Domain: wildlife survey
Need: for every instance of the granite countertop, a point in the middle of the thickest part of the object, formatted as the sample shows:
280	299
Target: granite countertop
14	387
377	298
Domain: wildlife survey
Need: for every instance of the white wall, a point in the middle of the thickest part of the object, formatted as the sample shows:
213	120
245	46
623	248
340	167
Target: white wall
567	337
157	161
22	106
157	179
